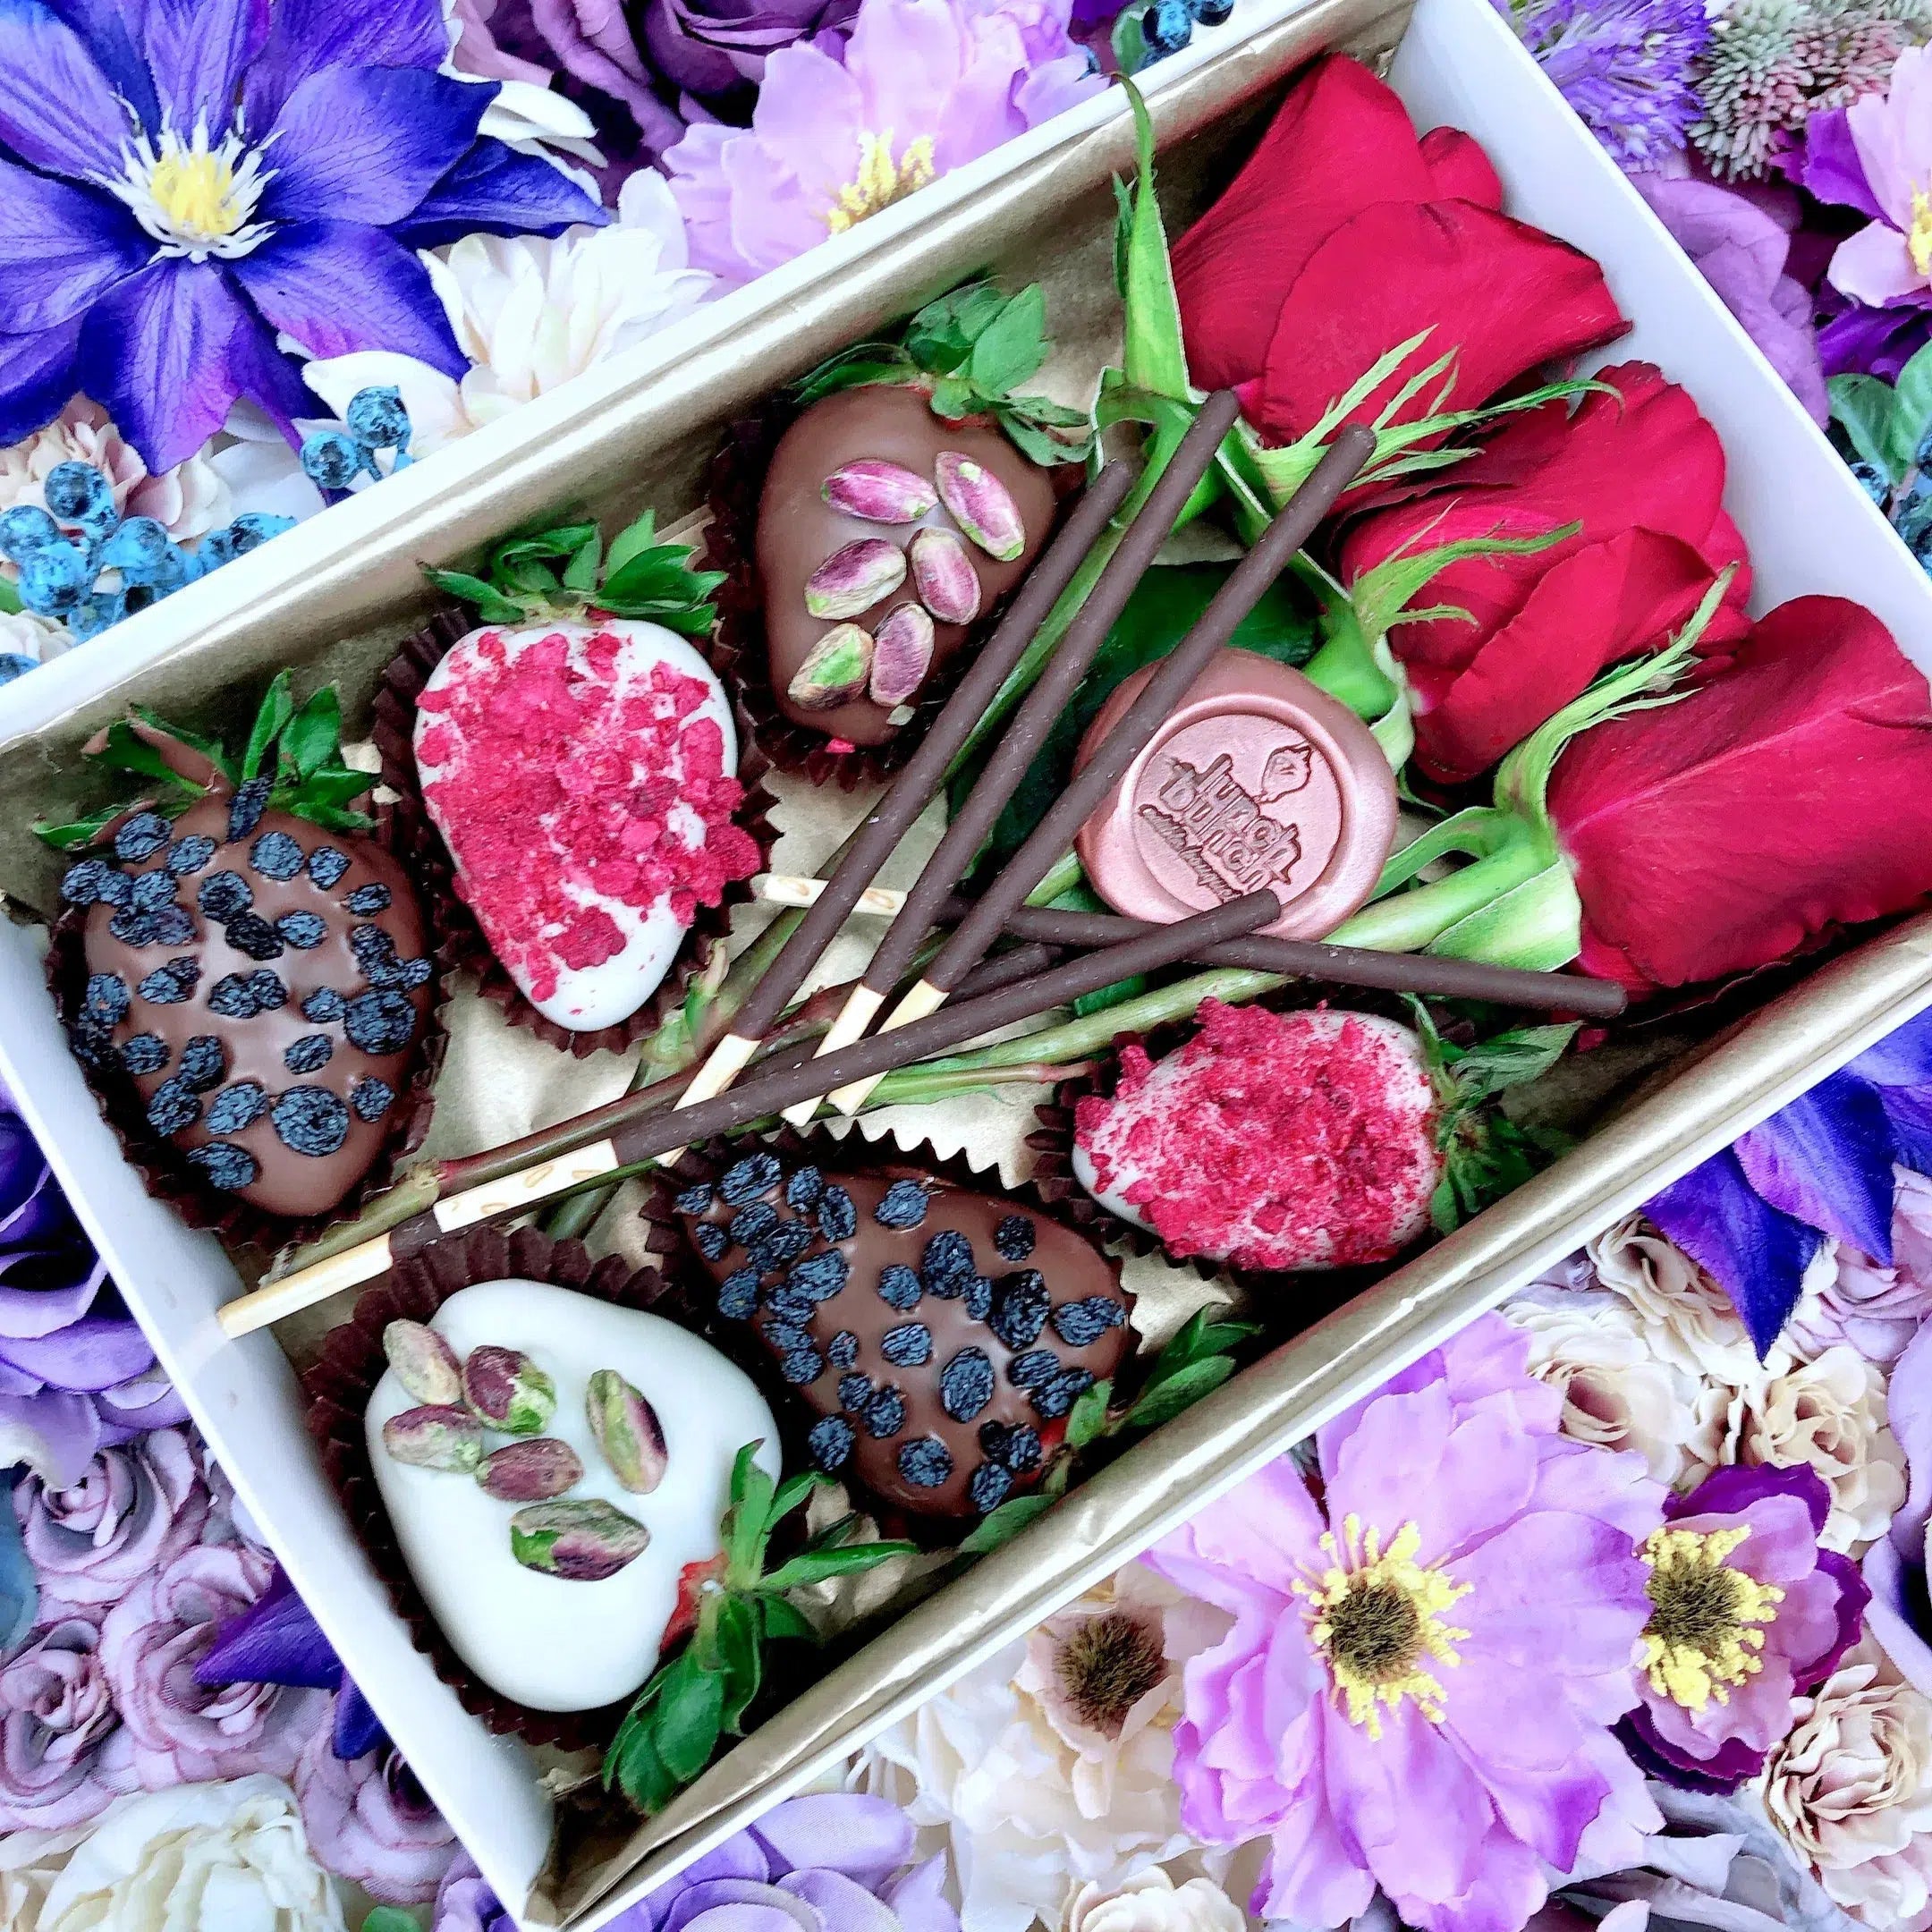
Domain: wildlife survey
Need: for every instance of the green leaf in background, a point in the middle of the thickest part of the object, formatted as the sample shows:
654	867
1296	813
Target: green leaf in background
391	1918
1163	607
1863	406
1154	357
10	599
1912	412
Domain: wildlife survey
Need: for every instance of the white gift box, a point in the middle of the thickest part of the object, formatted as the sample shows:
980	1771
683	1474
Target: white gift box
1810	529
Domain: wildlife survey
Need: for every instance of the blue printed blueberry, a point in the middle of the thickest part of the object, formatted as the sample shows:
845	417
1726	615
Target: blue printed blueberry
190	854
141	837
170	984
327	866
804	1188
831	1443
237	1108
106	1003
907	1346
802	1365
903	1204
988	1487
819	1277
1058	1395
789	1305
367	899
1015	1445
899	1287
251	933
1020	1308
926	1463
693	1200
146	1053
371	1099
978	1298
309	1120
947	1265
783	1335
151	891
276	855
222	895
203	1062
838	1219
1013	1238
173	1106
1033	1370
379	1022
323	1006
855	1390
309	1054
228	1167
737	1294
843	1350
234	997
749	1222
169	927
886	1414
782	1245
245	807
1080	1324
267	990
710	1239
966	1385
745	1180
84	884
303	930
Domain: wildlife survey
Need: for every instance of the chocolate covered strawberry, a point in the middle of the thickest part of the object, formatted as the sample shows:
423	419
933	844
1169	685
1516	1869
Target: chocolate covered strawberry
902	506
582	764
256	964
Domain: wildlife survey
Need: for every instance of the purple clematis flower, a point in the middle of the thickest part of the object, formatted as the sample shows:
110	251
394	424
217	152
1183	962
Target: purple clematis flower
1754	1216
179	182
1900	1613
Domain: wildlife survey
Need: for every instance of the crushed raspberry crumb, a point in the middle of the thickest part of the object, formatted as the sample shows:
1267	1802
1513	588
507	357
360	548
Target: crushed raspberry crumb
567	787
1274	1140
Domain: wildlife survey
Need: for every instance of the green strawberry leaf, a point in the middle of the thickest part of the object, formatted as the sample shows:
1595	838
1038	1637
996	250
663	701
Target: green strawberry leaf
391	1918
784	1619
581	573
490	603
689	1715
1165	1399
632	541
124	750
814	1566
741	1664
79	833
1086	1420
278	707
1154	359
1002	1524
1012	346
857	368
313	736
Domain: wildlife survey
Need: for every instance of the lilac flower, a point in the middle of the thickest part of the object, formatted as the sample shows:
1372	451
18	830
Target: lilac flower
75	1370
714	47
185	181
1443	1637
1626	66
63	1757
464	1903
1754	1216
1900	1614
920	87
1892	259
368	1820
1747	1613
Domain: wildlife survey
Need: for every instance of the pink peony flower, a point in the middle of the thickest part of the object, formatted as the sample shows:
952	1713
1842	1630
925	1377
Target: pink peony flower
62	1754
1416	1690
922	87
182	1731
1891	260
136	1508
1747	1613
369	1819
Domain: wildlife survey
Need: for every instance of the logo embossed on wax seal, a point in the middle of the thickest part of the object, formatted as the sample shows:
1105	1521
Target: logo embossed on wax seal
1260	781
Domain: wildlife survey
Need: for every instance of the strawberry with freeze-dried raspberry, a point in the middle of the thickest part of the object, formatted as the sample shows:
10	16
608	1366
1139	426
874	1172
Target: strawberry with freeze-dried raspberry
256	964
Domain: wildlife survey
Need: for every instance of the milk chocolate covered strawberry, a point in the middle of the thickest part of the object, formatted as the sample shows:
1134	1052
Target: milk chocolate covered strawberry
256	964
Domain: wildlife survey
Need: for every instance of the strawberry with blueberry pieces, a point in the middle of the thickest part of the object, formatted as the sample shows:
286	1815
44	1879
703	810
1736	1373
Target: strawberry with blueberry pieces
256	963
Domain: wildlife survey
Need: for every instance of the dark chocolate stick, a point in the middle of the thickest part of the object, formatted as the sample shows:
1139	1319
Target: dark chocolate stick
1304	959
1007	969
912	789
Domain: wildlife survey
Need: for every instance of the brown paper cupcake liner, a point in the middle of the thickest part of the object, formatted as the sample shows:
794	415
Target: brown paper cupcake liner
738	650
165	1170
344	1378
688	1292
1317	1290
460	946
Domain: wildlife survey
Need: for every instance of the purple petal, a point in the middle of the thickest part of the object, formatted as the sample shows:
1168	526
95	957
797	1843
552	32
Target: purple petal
30	1311
134	1407
367	144
60	248
1732	1764
919	1900
356	1730
108	27
1903	1058
1875	341
1755	1254
197	51
1908	1410
495	187
743	1904
1828	164
340	286
89	1355
836	1831
276	1641
1826	1159
1732	1490
741	1856
840	1902
270	380
308	36
57	109
1854	1597
55	1435
1896	1614
1908	1109
154	353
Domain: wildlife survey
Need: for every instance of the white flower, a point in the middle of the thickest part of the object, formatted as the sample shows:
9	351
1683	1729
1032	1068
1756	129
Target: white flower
529	314
1618	1392
1851	1790
1688	1319
1151	1902
199	1855
1828	1415
29	1862
189	500
1051	1767
525	113
22	634
263	474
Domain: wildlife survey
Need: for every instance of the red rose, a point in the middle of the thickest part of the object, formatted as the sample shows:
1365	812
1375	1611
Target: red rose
1345	236
1643	473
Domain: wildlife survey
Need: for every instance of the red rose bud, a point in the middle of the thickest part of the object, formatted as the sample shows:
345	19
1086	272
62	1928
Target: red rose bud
1665	841
1630	489
1345	238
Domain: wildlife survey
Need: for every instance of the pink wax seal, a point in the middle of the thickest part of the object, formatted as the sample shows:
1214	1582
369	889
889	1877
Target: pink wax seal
1260	781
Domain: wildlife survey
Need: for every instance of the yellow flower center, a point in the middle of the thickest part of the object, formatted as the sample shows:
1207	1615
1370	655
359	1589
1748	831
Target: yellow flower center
194	198
1919	236
1376	1616
881	181
1704	1633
